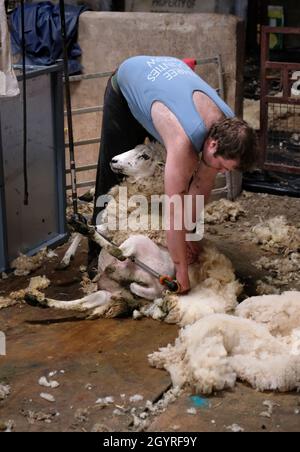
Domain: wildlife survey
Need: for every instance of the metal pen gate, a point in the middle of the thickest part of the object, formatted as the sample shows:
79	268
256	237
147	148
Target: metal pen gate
82	111
280	111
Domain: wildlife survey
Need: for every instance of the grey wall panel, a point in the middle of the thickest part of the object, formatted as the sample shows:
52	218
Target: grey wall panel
41	221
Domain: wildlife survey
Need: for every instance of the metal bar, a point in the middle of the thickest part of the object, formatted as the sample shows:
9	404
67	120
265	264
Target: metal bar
34	71
79	78
80	169
90	183
282	65
207	60
279	167
217	191
81	111
144	267
57	99
218	61
220	77
3	220
282	30
263	102
282	100
85	142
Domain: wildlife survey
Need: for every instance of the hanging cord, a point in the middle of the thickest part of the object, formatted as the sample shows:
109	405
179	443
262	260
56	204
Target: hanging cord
25	169
69	108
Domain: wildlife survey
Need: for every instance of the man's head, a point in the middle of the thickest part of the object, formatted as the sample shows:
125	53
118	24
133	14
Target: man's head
231	144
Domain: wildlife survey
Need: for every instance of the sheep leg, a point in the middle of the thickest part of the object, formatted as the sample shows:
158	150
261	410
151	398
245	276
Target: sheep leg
149	293
92	233
70	253
92	301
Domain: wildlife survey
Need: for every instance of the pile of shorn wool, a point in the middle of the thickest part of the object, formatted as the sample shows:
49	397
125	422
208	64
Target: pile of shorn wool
219	212
260	344
277	235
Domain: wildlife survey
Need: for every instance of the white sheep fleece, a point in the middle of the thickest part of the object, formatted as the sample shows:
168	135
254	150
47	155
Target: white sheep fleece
280	313
212	353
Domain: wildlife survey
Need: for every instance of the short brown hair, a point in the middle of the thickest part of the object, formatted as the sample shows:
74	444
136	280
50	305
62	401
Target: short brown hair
236	141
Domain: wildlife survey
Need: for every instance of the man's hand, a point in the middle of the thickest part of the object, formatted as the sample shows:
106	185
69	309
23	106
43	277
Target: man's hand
182	277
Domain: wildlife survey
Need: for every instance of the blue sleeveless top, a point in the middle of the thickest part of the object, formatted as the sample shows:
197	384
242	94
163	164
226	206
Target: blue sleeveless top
146	79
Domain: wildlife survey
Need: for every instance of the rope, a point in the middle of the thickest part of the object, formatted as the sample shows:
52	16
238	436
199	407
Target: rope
25	169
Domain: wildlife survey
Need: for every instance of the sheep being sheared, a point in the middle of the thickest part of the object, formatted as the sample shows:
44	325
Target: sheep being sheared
122	284
124	287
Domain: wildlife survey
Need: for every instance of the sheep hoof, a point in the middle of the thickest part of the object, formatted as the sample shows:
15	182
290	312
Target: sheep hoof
32	300
62	266
117	253
86	197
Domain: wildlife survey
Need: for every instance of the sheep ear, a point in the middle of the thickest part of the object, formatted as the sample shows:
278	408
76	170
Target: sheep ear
147	141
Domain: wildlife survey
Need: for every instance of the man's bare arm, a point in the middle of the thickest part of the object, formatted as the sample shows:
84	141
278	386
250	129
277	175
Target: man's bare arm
180	165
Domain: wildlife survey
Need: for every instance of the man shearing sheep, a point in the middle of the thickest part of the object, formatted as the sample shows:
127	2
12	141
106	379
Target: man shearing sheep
162	97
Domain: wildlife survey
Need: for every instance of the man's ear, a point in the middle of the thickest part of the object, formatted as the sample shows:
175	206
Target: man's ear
213	144
213	147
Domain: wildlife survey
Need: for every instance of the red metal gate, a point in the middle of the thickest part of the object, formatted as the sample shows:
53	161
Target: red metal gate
280	108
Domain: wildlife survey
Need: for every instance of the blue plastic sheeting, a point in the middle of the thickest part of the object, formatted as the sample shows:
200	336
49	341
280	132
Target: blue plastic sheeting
43	34
200	402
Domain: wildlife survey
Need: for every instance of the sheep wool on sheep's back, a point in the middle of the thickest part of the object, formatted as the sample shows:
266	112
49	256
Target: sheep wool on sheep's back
215	289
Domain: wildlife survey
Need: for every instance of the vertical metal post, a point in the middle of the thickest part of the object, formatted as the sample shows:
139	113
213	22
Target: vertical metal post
263	95
3	222
220	77
68	107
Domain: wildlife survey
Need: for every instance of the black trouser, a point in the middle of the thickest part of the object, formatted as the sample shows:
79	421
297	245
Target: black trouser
120	133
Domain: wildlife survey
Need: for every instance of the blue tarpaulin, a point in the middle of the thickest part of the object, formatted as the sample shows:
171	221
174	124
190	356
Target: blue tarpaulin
43	34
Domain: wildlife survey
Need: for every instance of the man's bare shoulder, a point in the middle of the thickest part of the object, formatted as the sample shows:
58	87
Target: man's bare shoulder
168	127
207	109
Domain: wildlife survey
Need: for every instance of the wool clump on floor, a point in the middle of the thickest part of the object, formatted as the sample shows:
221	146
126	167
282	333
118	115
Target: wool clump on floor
24	265
218	212
35	287
277	235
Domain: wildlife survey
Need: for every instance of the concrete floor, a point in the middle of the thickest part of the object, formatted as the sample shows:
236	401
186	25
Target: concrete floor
109	358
